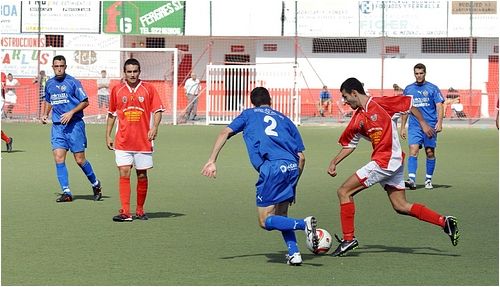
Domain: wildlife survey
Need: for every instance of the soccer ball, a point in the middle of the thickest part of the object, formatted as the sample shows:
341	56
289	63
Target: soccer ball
324	244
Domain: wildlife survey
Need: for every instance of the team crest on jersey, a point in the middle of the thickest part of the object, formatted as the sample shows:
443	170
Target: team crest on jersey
373	117
425	93
124	99
62	88
141	99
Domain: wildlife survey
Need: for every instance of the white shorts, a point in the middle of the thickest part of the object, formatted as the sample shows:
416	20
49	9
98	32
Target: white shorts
10	98
371	173
141	161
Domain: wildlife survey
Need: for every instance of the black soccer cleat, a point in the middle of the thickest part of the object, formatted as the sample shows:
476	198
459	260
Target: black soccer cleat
122	218
65	197
9	145
345	246
140	216
451	228
411	184
97	191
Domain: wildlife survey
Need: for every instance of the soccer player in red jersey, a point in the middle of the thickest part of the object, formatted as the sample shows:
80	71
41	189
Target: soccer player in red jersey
138	107
375	120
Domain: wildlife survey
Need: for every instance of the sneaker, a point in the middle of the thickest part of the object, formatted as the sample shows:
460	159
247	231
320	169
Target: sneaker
97	191
428	184
141	216
9	145
451	228
345	246
122	218
410	183
294	260
310	231
65	197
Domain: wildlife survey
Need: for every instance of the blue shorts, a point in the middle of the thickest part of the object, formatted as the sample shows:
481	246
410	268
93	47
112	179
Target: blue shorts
69	137
277	182
416	136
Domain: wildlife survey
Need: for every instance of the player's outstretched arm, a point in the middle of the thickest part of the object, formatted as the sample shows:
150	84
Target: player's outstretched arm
210	169
425	127
402	129
343	153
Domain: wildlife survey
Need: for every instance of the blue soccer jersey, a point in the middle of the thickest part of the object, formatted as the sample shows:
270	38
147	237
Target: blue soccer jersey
64	94
268	135
425	97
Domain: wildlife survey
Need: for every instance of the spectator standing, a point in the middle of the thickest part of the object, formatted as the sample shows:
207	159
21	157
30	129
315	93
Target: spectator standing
41	80
192	89
103	93
11	85
325	101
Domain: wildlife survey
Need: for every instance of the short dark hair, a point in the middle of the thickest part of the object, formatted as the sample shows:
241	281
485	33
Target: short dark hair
352	84
419	66
59	58
132	61
260	96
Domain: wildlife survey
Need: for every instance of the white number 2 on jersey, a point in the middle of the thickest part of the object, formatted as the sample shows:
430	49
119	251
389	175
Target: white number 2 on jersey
270	128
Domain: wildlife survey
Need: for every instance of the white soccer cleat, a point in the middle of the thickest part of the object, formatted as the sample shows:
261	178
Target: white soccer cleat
310	231
428	184
295	259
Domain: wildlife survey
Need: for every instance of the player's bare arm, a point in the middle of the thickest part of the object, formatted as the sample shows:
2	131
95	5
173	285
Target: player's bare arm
210	169
440	114
153	132
47	107
402	129
425	127
66	117
109	127
343	153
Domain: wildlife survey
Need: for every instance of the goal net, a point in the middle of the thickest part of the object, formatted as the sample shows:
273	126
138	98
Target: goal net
158	66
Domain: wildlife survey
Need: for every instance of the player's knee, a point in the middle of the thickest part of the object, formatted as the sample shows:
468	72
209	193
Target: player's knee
262	222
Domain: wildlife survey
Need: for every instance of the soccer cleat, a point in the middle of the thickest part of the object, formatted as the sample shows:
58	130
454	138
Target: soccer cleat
345	246
97	191
410	183
310	231
428	184
9	144
451	228
65	197
122	218
141	216
294	259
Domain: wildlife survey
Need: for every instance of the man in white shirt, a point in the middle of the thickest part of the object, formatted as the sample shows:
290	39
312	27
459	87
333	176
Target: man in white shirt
10	94
192	88
103	92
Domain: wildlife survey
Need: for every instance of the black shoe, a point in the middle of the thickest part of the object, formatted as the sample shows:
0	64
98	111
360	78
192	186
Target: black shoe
122	218
65	197
345	246
451	228
410	184
97	191
9	145
141	216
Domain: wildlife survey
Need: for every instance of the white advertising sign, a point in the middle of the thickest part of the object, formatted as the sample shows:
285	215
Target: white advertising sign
10	21
23	63
61	16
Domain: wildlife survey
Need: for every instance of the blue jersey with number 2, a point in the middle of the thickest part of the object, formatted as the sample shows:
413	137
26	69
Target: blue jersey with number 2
268	135
64	94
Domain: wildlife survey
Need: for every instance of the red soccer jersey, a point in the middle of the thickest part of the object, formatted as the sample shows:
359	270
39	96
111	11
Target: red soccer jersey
378	125
134	109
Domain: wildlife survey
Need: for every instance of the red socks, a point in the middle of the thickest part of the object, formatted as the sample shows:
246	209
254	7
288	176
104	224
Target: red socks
425	214
142	190
124	186
347	211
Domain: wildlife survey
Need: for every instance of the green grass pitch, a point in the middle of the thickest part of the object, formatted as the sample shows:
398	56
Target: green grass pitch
204	232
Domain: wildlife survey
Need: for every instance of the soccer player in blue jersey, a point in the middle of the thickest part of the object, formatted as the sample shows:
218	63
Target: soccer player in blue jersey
275	149
65	97
428	99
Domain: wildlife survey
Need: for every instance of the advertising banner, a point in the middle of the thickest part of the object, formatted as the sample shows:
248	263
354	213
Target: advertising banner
10	21
60	16
143	17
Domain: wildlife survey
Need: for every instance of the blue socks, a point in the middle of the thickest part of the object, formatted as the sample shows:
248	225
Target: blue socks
89	172
283	223
412	167
291	241
62	176
430	165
